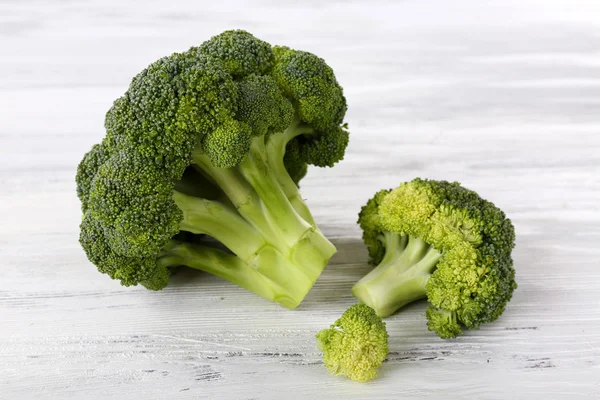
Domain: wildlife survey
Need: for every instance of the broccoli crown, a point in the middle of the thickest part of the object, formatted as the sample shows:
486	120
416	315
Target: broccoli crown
230	87
217	119
311	84
355	345
474	277
129	270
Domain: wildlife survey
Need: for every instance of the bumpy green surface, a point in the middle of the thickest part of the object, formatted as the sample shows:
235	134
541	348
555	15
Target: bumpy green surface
474	277
355	345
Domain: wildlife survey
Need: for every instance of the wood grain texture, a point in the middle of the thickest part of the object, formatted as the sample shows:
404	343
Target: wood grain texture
502	96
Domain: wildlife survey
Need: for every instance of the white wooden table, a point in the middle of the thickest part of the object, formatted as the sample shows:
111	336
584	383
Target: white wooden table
503	97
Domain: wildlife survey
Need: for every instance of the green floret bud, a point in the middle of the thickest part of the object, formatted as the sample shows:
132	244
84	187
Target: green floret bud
315	148
128	270
241	53
443	322
438	240
227	145
370	223
324	150
355	345
311	83
263	106
114	122
86	171
132	198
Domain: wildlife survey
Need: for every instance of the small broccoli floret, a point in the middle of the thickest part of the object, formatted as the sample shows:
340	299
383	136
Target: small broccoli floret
369	221
227	145
324	150
129	270
438	240
240	53
132	198
294	162
355	345
310	82
86	171
196	148
263	106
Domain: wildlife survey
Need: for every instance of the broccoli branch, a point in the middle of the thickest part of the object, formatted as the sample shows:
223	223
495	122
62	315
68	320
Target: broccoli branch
261	226
215	219
401	276
275	147
269	273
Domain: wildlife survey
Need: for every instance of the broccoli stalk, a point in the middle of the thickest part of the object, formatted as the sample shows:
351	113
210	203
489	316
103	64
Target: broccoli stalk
401	276
270	262
438	240
277	278
212	142
275	151
254	189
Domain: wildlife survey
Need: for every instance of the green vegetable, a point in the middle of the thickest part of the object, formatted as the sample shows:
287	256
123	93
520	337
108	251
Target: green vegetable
438	240
200	166
355	345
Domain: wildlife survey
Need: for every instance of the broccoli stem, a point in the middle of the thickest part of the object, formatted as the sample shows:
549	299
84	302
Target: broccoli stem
219	221
255	169
254	189
225	266
401	276
276	146
259	224
270	274
239	192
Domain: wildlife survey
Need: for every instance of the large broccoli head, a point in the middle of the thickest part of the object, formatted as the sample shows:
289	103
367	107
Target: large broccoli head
438	239
235	118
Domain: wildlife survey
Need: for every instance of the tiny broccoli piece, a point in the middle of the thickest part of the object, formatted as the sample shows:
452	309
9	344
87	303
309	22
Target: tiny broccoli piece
263	106
438	240
310	82
129	270
228	144
355	345
86	171
240	53
208	146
